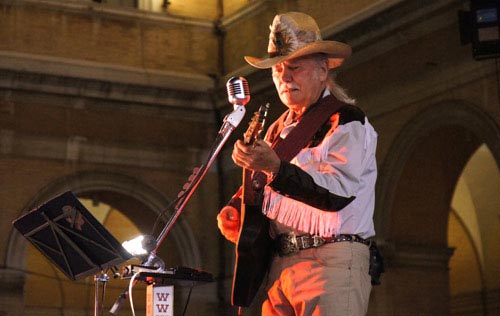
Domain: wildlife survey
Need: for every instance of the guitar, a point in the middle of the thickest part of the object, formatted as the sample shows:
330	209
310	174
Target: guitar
253	249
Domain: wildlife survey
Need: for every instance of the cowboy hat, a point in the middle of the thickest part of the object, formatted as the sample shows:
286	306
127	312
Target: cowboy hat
295	34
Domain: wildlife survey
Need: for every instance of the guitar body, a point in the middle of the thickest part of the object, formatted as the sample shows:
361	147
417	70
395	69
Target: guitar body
254	246
253	254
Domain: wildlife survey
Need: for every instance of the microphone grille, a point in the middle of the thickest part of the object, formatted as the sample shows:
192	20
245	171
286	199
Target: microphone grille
238	91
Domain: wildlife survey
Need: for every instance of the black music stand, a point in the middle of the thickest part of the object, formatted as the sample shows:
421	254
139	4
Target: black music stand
65	232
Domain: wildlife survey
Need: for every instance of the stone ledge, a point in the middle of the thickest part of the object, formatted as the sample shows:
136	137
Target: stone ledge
123	12
77	148
65	67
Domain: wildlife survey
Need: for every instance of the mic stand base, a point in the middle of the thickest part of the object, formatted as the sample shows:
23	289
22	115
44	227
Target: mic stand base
102	278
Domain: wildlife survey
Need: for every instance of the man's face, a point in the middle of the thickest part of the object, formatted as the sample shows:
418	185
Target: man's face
300	81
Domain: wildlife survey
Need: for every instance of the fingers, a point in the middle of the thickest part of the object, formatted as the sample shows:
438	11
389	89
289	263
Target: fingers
242	154
228	222
241	147
229	214
246	155
259	157
262	144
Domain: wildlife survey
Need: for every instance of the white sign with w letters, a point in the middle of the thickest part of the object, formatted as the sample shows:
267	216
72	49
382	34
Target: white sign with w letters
160	300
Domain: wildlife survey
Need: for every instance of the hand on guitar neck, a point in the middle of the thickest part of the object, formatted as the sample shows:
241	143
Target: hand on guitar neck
258	156
252	153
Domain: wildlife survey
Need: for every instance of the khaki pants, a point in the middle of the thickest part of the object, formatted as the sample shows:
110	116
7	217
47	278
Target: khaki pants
331	280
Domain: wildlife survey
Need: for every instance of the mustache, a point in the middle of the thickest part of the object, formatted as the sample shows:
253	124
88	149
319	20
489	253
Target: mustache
289	87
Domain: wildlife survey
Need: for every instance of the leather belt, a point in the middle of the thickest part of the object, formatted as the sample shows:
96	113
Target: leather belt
291	243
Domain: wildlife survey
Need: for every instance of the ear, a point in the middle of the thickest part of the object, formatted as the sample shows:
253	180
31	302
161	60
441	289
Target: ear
323	70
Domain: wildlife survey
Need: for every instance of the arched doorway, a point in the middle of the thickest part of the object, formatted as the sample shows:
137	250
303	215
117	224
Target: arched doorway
474	232
416	187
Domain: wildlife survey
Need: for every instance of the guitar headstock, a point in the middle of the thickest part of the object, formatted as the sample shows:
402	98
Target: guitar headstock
256	125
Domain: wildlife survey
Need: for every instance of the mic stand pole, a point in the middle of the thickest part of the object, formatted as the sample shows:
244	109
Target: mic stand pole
231	121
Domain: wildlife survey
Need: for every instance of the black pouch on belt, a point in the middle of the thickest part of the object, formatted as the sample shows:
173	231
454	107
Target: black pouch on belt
376	264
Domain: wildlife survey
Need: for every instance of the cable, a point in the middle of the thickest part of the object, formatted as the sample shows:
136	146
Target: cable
164	211
180	196
187	301
130	286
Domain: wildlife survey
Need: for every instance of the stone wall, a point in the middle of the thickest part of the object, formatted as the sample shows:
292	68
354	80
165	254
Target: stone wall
122	104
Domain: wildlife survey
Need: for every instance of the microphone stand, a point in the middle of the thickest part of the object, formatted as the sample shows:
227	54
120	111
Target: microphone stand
231	121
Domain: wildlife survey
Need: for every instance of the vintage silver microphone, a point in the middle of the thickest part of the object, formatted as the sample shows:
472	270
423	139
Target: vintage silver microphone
238	92
238	95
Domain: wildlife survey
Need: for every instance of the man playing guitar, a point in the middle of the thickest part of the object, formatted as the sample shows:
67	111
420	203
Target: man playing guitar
313	180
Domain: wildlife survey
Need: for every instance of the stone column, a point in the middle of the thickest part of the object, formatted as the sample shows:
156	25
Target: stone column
415	281
11	292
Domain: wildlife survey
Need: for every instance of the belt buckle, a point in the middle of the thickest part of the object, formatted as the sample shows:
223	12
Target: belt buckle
288	244
318	241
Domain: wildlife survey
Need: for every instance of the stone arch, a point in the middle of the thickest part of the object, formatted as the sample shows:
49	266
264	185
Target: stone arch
90	183
454	129
415	188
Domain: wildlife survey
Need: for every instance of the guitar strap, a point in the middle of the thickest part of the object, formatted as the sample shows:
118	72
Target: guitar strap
312	120
300	135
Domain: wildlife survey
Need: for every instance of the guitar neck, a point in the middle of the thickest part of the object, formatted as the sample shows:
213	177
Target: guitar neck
248	194
253	133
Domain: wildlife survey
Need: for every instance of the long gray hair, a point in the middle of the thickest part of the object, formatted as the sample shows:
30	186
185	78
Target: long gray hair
339	92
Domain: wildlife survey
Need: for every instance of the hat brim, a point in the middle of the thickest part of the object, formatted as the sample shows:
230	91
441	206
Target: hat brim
337	52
